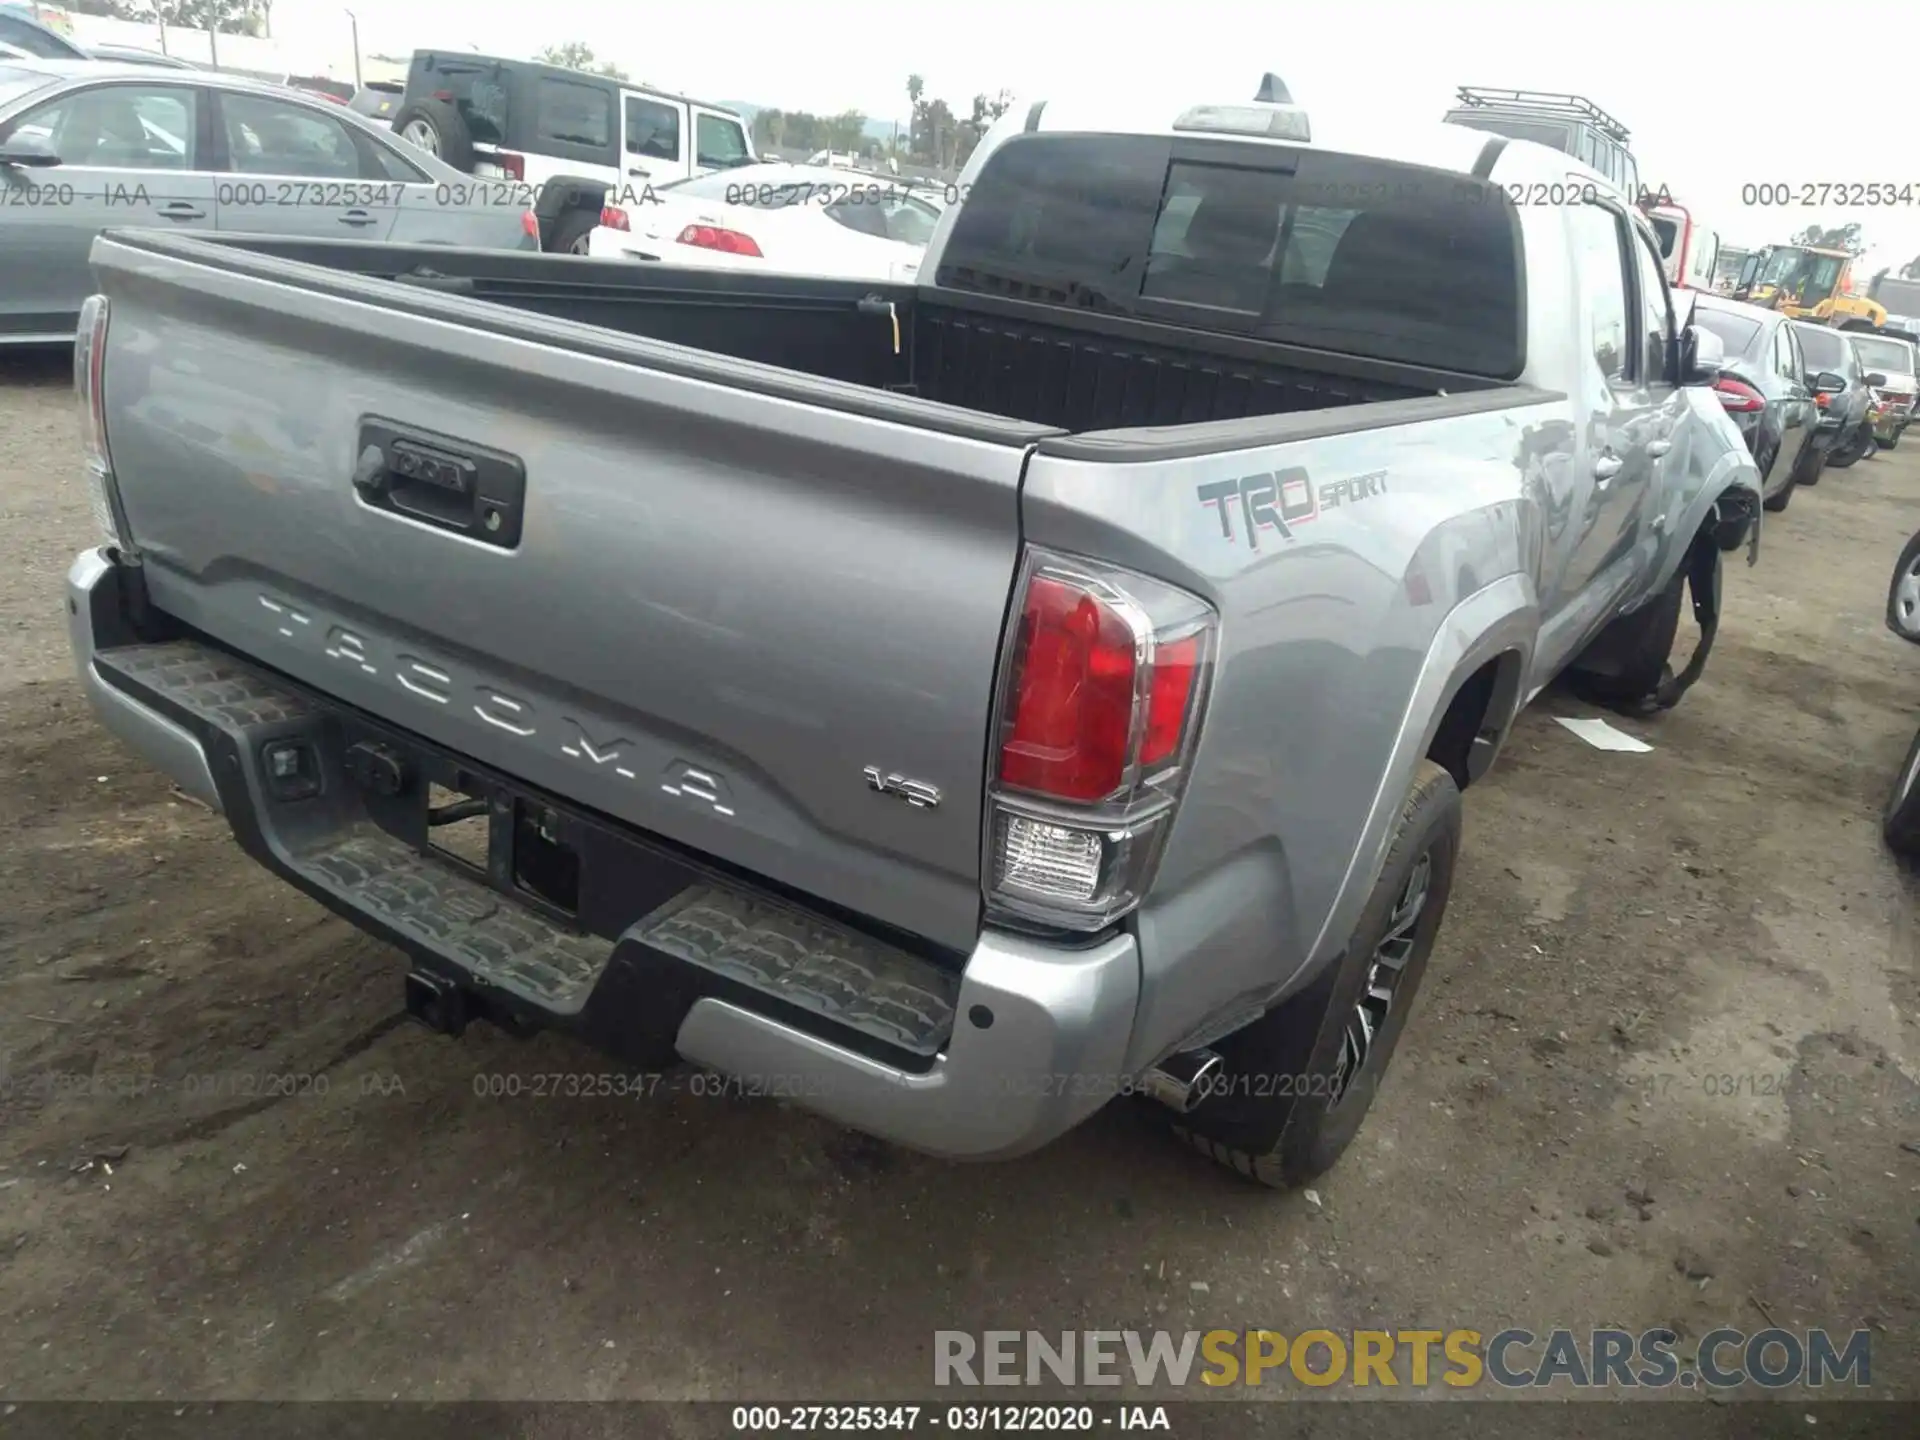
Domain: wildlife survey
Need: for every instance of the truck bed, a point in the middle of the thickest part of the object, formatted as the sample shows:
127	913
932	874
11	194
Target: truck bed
981	353
750	552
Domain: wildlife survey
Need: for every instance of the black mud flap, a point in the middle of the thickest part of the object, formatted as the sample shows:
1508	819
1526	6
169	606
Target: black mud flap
1703	585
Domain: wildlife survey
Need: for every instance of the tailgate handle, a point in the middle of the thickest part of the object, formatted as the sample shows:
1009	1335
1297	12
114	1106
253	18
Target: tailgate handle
441	481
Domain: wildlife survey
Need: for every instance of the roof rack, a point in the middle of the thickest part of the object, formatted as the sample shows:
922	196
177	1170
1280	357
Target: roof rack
1574	107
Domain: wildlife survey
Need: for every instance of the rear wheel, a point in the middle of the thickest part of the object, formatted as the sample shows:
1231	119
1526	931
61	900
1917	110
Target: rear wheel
571	230
1900	822
437	127
1806	470
1298	1081
1847	451
1777	503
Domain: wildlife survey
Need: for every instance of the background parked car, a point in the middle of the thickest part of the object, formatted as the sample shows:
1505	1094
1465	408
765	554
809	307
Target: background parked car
1842	432
798	219
130	145
20	30
133	55
1900	821
1893	403
1762	385
571	135
378	99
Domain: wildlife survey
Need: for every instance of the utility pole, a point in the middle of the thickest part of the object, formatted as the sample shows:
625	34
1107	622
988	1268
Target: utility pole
212	10
354	21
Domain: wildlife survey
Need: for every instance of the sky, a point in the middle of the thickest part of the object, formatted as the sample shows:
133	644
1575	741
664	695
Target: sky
1654	66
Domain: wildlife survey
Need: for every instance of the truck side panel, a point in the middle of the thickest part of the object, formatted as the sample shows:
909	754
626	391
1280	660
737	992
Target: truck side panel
723	606
1379	566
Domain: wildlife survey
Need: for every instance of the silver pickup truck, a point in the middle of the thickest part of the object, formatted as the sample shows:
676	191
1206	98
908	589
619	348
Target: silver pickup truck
945	706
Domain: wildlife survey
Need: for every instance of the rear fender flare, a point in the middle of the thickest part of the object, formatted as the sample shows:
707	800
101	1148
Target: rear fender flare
1501	618
1735	470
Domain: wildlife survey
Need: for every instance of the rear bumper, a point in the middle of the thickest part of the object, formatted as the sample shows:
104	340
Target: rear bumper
983	1059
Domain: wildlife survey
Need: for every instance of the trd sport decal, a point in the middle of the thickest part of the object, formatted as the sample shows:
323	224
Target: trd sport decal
1283	500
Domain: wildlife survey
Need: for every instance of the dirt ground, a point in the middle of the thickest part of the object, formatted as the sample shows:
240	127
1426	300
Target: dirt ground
1662	1075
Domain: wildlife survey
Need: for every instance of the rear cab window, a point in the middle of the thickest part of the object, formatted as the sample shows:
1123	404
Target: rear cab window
1364	257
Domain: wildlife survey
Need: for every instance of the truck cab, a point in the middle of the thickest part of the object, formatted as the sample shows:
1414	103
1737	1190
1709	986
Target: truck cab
1565	122
1808	282
1689	251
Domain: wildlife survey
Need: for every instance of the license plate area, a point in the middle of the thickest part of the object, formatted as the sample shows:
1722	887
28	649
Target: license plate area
518	845
567	865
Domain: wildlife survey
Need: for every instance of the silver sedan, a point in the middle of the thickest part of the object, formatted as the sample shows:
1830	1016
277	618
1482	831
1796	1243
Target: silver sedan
85	145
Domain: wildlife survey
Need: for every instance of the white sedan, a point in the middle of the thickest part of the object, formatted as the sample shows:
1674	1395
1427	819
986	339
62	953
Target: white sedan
797	219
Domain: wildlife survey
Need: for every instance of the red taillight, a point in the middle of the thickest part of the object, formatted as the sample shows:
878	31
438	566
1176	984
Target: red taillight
612	217
1738	396
1073	707
1820	399
1169	697
1102	695
444	96
713	237
530	224
513	166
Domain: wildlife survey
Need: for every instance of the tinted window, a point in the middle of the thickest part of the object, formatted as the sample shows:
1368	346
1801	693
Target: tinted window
1888	356
573	114
1603	280
653	129
120	127
1669	233
910	221
859	217
1656	318
718	140
271	137
1736	332
1783	364
1824	349
1365	257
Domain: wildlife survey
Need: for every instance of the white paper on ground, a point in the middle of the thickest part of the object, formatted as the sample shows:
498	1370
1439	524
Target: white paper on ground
1602	736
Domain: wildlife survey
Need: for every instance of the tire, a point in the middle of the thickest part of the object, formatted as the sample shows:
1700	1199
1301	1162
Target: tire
1900	822
1903	593
570	231
442	122
1858	450
1806	470
1315	1047
1776	503
1626	661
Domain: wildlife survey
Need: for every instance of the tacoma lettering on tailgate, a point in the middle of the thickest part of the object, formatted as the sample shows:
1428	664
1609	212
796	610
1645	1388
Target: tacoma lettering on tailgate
439	684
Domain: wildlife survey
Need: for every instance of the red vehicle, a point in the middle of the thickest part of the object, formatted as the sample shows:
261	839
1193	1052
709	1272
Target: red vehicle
1689	250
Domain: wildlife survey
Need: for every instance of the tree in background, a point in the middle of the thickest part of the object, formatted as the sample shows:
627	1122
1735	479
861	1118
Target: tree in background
1839	237
575	55
936	136
803	130
232	17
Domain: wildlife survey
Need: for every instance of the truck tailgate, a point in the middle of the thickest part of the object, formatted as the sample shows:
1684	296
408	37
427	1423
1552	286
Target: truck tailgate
723	606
